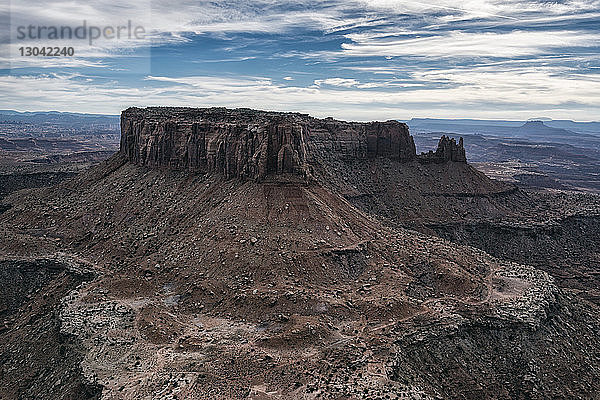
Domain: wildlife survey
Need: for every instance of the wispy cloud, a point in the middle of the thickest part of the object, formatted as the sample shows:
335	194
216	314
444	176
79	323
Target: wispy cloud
358	59
467	44
481	91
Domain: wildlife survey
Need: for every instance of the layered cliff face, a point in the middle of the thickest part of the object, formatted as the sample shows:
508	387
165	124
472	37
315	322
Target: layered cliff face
254	144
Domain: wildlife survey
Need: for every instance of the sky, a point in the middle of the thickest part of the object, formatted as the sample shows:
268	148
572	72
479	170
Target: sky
356	60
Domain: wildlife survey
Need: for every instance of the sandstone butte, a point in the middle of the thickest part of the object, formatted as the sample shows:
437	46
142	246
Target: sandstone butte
253	144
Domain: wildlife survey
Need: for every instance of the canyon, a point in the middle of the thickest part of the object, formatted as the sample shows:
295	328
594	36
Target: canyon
235	253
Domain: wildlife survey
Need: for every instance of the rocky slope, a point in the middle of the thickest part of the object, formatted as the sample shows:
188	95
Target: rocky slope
13	182
233	263
567	247
38	360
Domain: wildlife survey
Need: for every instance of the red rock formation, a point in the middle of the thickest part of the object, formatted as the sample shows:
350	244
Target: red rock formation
448	150
254	144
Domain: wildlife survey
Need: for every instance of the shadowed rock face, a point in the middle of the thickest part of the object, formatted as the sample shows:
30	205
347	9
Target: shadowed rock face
254	144
39	360
448	150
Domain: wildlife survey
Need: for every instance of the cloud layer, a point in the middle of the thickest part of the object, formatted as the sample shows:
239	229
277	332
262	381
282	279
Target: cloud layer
365	60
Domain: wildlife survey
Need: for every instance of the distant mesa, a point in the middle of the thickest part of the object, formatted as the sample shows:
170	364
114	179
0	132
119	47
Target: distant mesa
535	124
539	128
253	144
